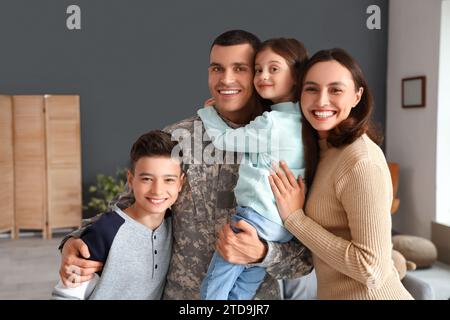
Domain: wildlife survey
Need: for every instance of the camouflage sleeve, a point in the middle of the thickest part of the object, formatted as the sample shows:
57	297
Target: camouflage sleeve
77	233
287	260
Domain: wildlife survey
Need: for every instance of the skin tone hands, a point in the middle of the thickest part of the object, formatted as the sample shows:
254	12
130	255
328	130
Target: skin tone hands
241	248
289	193
74	266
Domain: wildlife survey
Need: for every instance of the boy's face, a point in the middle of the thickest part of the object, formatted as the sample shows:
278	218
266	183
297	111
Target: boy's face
230	77
156	183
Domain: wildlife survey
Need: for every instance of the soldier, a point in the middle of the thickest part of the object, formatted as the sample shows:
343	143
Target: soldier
202	212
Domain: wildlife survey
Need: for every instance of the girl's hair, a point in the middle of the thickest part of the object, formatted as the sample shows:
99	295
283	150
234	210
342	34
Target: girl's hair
358	121
293	51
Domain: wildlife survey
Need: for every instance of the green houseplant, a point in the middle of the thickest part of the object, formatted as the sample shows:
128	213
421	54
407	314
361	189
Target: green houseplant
105	190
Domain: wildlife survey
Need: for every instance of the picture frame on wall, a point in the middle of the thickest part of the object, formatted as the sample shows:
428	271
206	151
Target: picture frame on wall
413	92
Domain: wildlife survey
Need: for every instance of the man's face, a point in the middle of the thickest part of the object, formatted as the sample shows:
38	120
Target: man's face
230	77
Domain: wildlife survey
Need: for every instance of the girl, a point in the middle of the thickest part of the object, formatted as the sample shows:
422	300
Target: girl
270	137
346	222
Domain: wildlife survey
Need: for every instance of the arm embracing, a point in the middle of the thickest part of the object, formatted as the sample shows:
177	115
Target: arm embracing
253	138
77	233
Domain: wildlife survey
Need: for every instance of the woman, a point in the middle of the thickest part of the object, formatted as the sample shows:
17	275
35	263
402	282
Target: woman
346	222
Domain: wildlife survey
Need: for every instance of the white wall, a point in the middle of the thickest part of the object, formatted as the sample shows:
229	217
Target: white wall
443	125
413	50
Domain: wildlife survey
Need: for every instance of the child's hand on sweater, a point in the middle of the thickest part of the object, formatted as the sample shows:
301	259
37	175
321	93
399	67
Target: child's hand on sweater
289	193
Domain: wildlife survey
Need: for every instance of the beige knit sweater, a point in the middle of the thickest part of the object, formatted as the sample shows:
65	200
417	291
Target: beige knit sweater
347	224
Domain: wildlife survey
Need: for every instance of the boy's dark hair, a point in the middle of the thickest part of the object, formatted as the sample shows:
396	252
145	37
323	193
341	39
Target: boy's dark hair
154	143
235	37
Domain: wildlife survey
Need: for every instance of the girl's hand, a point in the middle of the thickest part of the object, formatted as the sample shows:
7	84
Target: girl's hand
209	103
289	194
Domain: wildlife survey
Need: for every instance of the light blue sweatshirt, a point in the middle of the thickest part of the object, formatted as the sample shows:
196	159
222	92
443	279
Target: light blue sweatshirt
273	136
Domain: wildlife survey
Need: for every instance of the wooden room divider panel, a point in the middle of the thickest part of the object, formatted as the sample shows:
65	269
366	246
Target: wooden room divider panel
40	150
63	160
30	163
6	166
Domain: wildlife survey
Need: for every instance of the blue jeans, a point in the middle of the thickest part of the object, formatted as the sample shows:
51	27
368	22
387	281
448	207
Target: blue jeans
227	281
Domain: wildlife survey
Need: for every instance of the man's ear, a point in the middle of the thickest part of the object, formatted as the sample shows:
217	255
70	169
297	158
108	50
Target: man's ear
359	94
130	178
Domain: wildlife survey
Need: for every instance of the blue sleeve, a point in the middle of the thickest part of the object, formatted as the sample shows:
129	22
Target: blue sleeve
252	138
100	235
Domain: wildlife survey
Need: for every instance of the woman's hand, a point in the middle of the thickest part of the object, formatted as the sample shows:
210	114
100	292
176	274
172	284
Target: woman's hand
289	194
209	103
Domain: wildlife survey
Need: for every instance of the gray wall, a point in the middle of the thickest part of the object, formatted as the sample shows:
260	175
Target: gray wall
140	65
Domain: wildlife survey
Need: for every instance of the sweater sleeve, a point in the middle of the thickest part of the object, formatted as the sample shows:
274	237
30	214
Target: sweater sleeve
365	196
250	138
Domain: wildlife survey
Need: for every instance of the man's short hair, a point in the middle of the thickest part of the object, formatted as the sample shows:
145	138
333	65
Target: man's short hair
154	143
235	37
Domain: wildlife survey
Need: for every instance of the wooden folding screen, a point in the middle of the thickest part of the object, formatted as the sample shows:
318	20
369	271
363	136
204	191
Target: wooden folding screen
63	160
6	166
45	161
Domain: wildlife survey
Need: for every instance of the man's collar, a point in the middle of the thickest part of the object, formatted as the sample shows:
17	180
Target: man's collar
257	108
228	122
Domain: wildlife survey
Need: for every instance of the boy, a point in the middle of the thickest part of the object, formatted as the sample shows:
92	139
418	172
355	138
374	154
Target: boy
135	243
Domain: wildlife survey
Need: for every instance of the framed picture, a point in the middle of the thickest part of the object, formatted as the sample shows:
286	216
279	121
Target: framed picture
413	92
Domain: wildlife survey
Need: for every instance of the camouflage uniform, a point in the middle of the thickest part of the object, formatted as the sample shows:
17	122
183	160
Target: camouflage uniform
204	205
